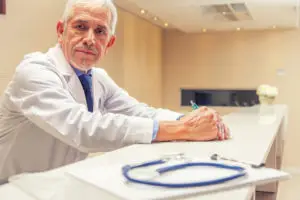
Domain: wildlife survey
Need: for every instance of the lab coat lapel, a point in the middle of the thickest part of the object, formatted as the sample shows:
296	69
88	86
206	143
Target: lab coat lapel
96	91
70	76
76	90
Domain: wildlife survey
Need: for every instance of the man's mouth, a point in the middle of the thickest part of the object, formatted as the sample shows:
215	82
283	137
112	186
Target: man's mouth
86	51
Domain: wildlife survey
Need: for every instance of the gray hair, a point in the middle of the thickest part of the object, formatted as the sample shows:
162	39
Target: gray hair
103	3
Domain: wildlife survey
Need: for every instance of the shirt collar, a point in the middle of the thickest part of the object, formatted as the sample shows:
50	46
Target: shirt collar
79	73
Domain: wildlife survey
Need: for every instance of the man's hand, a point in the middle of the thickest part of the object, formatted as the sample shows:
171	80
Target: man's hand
197	128
223	130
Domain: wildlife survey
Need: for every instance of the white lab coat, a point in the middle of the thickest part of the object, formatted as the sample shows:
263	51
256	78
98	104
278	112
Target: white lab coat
44	121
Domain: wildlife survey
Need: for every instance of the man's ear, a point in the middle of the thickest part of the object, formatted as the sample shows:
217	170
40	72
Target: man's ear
110	43
60	31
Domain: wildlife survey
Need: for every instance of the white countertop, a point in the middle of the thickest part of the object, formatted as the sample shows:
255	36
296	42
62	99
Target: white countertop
254	130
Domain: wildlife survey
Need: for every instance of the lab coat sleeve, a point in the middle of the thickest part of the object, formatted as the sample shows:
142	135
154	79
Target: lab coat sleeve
39	94
119	101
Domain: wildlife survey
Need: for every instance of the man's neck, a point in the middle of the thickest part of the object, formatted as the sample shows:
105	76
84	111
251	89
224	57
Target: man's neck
80	71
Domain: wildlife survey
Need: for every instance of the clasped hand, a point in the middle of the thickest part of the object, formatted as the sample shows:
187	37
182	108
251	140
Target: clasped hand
205	124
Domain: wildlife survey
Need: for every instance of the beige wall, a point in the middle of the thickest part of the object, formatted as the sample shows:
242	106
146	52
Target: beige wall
236	60
134	62
142	60
28	26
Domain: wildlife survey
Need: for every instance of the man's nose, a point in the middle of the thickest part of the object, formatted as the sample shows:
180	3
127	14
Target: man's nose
90	38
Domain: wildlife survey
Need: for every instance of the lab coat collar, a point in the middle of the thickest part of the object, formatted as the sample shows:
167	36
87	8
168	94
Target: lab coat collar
71	77
69	74
61	63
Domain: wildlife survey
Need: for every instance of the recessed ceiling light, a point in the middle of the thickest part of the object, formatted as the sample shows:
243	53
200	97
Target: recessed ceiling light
155	18
238	29
204	30
166	24
143	11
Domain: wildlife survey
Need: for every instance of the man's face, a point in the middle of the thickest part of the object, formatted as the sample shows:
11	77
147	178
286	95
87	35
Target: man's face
86	36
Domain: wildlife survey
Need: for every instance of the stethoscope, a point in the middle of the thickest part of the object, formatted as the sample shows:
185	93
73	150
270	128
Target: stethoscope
240	171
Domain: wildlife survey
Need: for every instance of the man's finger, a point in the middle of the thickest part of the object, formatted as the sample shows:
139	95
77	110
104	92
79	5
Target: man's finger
227	132
222	130
219	132
203	108
210	116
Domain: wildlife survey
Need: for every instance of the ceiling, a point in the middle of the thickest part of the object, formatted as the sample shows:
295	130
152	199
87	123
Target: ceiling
192	16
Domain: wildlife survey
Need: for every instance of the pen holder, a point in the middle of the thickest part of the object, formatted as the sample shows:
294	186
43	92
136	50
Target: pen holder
194	107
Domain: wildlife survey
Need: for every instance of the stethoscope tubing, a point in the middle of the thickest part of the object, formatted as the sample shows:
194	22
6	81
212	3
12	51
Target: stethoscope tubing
240	172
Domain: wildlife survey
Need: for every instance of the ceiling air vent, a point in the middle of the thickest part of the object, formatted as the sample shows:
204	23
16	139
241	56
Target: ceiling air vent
239	7
241	11
228	12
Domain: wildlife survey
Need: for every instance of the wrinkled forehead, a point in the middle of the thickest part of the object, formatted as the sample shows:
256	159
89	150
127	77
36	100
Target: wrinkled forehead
90	12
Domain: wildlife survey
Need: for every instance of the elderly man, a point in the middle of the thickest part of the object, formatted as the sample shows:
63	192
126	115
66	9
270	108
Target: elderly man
58	107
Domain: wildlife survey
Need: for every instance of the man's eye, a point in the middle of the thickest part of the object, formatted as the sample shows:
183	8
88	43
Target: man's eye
100	31
80	27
